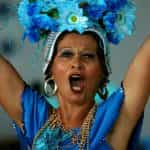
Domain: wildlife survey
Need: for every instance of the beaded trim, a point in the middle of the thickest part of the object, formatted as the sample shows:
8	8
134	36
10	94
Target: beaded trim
82	139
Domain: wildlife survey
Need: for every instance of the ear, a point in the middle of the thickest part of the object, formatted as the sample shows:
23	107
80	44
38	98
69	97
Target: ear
48	76
49	72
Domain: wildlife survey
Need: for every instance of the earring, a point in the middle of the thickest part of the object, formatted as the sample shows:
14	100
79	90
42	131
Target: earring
103	92
50	87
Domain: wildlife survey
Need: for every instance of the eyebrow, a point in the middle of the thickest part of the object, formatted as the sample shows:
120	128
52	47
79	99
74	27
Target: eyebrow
64	48
70	48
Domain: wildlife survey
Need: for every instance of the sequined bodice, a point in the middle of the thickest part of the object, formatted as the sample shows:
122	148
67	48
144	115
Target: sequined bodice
55	139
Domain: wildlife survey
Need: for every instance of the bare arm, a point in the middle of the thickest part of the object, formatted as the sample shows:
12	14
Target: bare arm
11	87
137	90
137	82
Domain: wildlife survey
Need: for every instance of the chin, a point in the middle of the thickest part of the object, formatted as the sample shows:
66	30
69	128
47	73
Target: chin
77	99
71	97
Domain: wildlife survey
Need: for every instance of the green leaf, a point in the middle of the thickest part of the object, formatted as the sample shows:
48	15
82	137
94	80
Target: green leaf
44	33
31	1
53	13
83	4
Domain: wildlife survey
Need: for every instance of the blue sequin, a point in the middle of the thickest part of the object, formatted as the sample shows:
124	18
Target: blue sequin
52	139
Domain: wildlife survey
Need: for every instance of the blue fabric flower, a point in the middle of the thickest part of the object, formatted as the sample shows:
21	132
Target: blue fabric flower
24	18
100	2
109	21
47	5
26	11
33	21
115	17
45	22
34	8
121	23
32	34
73	18
93	2
115	5
95	12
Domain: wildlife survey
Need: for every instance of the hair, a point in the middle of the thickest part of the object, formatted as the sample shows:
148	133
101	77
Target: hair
102	91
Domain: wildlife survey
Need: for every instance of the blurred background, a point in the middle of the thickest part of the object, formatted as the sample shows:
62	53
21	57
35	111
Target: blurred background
28	61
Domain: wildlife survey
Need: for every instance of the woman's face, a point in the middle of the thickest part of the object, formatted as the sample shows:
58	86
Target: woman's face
76	68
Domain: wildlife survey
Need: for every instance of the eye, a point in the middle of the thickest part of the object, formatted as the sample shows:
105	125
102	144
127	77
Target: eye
66	53
89	55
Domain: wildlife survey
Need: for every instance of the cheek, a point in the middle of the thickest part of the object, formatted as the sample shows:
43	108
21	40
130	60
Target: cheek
94	71
59	72
94	75
57	69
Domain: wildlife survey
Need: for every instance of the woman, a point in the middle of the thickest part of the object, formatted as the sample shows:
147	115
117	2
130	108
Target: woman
76	69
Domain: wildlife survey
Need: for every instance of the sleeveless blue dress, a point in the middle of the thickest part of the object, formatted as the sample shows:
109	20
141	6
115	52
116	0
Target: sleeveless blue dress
38	135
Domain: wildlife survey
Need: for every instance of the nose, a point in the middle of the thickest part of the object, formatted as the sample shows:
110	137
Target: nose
76	63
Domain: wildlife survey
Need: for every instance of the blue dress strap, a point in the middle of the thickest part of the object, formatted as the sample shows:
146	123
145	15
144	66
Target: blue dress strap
106	115
34	115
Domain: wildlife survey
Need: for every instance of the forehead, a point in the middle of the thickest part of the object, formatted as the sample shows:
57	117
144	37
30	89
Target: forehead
75	40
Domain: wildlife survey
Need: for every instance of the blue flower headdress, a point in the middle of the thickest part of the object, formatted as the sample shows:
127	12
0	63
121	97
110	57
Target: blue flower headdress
39	17
46	19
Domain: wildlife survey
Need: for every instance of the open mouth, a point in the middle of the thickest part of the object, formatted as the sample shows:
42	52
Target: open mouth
76	82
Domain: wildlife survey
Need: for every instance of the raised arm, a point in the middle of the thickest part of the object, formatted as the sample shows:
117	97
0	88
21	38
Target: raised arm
137	82
11	87
137	90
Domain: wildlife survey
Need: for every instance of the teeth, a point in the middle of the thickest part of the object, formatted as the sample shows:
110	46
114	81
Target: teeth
75	76
76	82
76	88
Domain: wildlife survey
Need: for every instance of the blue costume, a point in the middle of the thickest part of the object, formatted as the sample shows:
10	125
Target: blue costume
38	134
49	19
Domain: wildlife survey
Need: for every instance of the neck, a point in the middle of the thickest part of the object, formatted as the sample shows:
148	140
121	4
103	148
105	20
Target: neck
73	115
